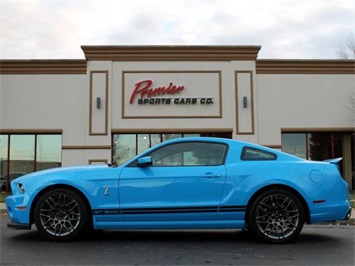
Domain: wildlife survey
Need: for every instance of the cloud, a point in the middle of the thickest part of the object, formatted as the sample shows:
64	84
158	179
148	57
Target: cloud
284	29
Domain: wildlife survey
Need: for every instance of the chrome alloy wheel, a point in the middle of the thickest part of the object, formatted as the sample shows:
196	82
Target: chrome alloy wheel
60	214
277	216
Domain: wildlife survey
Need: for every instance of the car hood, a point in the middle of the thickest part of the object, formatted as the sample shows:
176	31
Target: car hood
72	169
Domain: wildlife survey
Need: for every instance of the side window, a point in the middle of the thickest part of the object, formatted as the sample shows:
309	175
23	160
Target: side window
254	154
190	154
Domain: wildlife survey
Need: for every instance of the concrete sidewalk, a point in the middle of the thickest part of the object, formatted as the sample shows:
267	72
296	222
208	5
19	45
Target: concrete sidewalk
351	221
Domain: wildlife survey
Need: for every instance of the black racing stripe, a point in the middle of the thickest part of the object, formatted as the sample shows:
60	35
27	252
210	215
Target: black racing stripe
169	210
176	210
232	208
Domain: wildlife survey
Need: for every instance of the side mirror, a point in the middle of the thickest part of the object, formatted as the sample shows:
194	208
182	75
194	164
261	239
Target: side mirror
144	161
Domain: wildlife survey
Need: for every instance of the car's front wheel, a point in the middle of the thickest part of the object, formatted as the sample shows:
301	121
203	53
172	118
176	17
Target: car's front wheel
61	215
276	216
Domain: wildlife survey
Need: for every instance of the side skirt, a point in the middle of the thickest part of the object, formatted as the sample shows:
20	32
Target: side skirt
221	224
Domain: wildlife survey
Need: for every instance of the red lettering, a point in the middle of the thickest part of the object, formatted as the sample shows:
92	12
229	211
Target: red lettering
141	90
144	88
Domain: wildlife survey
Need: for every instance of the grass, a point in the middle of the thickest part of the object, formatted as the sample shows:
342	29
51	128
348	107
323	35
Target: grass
352	198
3	195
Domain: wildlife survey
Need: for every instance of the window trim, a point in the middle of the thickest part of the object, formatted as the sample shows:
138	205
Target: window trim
135	162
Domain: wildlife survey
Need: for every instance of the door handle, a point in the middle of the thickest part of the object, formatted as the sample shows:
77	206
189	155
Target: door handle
210	175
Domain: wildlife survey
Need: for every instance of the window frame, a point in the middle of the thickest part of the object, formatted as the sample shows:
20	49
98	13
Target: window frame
246	148
162	139
226	149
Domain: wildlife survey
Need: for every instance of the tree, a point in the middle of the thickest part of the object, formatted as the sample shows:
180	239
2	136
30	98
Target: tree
351	105
348	51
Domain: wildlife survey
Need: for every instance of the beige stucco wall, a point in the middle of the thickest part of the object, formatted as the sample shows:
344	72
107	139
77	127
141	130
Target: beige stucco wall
302	101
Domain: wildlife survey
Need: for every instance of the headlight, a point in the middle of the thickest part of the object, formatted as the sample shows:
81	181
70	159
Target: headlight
21	188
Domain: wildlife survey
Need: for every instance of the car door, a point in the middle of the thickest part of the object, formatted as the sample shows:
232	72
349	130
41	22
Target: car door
183	182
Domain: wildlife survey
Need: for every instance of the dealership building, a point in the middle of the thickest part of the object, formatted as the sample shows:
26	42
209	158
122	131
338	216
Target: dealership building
121	100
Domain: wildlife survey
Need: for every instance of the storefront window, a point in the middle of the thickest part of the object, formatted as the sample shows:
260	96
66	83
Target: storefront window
4	140
171	136
313	146
295	144
145	141
320	146
323	146
124	147
27	153
22	153
49	151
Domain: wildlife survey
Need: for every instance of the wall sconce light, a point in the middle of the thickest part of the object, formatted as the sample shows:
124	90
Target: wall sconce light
245	102
98	102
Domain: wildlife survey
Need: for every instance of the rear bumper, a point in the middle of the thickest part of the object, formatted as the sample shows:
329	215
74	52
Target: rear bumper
348	215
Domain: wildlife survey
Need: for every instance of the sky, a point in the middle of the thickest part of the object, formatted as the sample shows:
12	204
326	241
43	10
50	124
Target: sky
285	29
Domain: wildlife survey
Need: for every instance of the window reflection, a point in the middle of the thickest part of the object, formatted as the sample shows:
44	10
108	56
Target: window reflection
313	146
295	144
22	153
166	137
49	151
323	146
124	147
27	153
146	141
3	154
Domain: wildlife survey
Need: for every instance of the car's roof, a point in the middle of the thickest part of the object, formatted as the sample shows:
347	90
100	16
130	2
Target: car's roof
212	139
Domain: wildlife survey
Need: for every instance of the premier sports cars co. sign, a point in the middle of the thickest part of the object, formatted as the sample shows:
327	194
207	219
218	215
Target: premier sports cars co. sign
147	94
171	94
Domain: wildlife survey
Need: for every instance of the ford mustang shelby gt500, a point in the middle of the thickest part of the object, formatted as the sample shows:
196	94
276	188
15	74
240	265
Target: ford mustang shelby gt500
188	183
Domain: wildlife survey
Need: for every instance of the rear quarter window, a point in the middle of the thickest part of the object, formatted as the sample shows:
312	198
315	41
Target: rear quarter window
254	154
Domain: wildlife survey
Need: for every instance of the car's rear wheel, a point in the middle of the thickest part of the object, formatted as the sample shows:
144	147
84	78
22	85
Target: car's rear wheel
276	216
61	215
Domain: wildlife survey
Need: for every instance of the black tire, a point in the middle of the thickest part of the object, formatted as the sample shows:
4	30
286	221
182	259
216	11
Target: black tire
276	216
61	215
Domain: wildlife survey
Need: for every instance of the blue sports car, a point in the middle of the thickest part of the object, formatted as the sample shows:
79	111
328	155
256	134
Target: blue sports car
188	183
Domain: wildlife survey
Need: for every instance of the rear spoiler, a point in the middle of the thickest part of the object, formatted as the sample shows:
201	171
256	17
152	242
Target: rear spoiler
334	161
337	161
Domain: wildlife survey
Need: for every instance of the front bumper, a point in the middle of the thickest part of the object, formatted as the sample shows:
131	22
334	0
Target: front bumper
18	210
19	226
